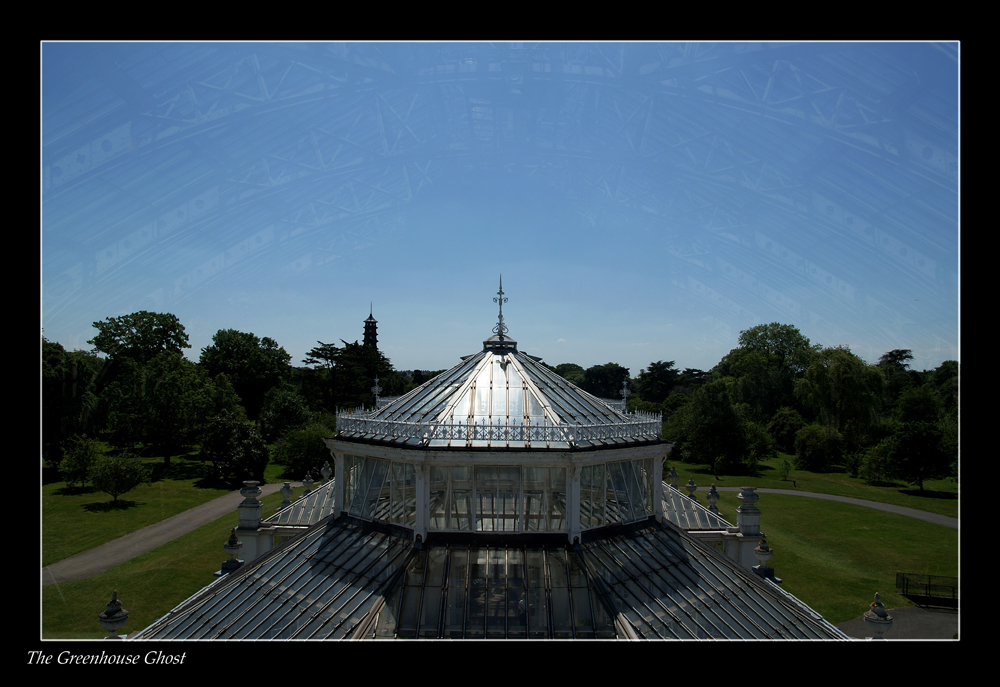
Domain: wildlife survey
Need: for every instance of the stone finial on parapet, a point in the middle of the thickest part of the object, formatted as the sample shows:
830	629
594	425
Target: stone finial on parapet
764	554
877	619
713	498
232	547
250	509
307	482
286	495
113	618
691	487
747	515
673	477
326	471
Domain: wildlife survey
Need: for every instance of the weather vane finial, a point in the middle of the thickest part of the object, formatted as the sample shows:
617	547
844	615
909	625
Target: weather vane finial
501	328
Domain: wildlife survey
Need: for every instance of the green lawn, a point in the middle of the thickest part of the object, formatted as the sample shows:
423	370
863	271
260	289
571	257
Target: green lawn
148	586
75	519
938	496
833	556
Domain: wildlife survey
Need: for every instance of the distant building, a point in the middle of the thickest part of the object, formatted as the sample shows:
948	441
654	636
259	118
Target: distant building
371	331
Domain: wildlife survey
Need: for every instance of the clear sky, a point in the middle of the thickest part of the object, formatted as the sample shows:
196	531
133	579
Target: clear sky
588	282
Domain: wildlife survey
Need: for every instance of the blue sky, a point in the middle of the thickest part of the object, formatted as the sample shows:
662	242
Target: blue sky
584	285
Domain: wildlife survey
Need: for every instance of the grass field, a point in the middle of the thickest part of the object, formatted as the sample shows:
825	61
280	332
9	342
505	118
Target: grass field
833	556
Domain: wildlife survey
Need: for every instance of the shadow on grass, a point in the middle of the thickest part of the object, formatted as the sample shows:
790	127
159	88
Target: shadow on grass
108	506
179	470
74	491
929	493
932	601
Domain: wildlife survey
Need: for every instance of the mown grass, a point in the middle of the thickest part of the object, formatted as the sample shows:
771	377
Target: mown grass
835	556
149	585
76	519
938	496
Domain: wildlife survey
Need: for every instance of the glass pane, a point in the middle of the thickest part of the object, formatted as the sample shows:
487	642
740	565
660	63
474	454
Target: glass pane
461	499
496	611
562	618
475	628
454	619
537	617
508	498
556	497
438	506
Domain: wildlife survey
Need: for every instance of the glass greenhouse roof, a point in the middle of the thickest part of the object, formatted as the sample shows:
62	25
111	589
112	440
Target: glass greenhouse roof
345	579
500	398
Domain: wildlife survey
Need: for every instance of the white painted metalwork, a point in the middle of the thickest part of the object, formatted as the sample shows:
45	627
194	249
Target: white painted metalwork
637	426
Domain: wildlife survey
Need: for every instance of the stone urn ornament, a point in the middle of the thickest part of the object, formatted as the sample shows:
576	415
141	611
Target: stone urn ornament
113	618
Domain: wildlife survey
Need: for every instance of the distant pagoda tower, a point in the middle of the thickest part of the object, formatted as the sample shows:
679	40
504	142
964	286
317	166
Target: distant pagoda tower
371	334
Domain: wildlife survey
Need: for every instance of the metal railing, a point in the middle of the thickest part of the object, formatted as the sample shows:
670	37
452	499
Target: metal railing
640	425
938	586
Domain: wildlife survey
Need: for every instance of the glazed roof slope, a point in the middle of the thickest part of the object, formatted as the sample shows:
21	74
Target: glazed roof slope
308	509
500	398
347	579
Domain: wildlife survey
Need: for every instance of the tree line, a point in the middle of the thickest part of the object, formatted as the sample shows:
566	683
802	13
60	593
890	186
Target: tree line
243	403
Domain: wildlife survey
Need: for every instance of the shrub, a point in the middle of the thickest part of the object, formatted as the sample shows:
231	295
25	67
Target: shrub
784	468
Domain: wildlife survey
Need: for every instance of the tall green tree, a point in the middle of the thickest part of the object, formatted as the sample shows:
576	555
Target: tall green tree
839	387
164	404
766	364
348	374
655	382
253	365
605	381
140	336
918	453
571	372
71	383
707	429
236	449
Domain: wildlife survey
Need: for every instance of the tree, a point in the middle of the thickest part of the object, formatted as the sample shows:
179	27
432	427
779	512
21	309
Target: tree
348	374
140	336
605	381
253	365
876	463
81	454
656	382
236	449
302	450
71	382
895	366
119	474
818	447
918	404
917	452
571	372
783	426
707	429
768	360
791	350
283	410
164	403
838	386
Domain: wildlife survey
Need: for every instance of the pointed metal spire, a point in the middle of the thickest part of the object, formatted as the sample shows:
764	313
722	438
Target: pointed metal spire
501	329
